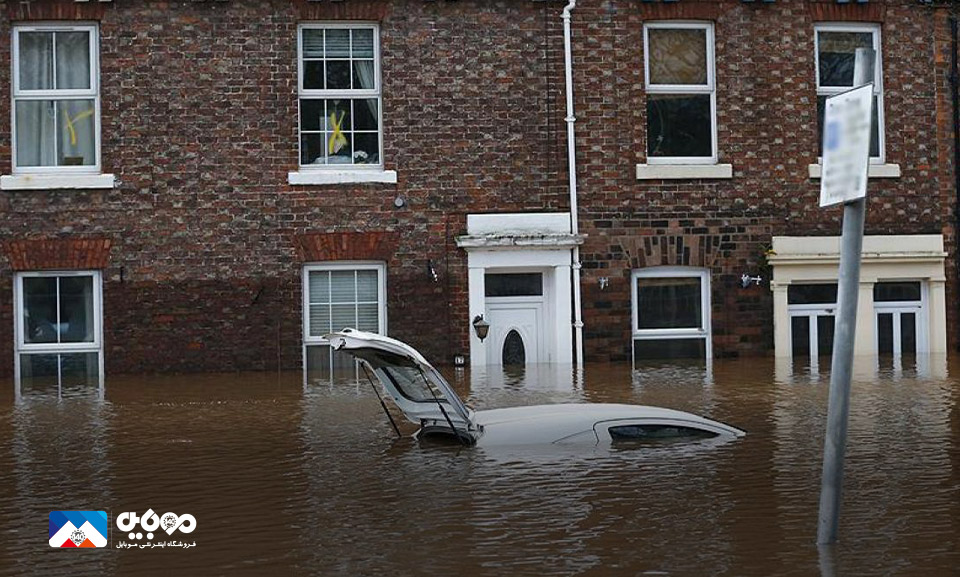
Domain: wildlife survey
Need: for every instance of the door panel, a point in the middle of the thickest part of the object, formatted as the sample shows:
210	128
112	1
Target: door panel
510	321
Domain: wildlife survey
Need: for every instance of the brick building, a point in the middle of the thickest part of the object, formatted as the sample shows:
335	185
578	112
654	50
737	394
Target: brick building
213	185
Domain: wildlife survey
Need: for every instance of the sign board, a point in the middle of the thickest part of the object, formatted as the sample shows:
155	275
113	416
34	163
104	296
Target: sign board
846	146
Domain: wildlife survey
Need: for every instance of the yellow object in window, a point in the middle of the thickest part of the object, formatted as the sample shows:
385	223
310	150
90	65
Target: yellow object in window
70	121
337	139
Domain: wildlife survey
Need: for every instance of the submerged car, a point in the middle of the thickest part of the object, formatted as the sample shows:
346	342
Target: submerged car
426	399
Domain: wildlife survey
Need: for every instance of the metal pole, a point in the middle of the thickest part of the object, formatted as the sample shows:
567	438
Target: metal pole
851	245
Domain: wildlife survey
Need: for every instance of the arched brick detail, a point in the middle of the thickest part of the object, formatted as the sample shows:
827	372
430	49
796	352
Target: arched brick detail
671	250
59	254
353	10
830	11
57	10
333	246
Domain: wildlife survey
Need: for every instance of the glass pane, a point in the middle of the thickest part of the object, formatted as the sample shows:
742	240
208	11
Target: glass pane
874	126
808	294
311	149
669	303
338	116
339	148
363	43
38	375
338	43
656	432
319	320
367	288
338	74
344	316
679	125
677	56
368	318
363	75
36	133
76	309
318	363
73	60
313	75
319	287
40	310
79	374
366	148
896	291
77	134
885	333
825	326
343	287
513	284
908	333
837	54
800	336
311	114
365	115
36	60
645	350
312	43
513	352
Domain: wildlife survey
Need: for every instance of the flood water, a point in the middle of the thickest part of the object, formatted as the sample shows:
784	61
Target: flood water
291	479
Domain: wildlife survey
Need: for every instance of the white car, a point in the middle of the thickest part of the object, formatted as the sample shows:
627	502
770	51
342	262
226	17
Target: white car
426	399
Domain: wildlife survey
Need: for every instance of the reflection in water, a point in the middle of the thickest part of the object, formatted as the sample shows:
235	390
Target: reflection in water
291	479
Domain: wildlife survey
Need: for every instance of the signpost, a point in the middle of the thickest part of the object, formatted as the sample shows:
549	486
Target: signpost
846	157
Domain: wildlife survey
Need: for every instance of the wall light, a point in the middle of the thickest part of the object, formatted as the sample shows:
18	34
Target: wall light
481	327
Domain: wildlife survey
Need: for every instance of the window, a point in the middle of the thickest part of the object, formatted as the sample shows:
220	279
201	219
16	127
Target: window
339	86
812	310
56	99
901	318
671	313
338	296
58	332
836	47
681	95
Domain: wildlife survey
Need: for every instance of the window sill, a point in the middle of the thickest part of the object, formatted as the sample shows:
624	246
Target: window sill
683	171
875	171
341	176
55	181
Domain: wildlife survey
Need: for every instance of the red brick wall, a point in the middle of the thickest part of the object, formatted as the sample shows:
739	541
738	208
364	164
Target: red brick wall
199	123
766	113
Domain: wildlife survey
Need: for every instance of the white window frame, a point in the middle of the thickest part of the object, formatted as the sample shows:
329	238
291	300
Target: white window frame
874	30
20	95
22	347
705	332
708	88
919	308
352	93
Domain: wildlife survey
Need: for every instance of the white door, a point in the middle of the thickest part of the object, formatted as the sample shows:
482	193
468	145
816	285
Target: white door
516	330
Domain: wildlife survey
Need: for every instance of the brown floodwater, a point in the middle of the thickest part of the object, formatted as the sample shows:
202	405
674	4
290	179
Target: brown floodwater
287	478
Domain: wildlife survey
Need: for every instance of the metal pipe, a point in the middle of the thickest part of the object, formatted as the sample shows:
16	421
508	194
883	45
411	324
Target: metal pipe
572	171
955	99
841	368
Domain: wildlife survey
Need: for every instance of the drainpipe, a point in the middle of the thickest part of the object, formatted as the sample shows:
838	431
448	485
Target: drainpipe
572	170
955	98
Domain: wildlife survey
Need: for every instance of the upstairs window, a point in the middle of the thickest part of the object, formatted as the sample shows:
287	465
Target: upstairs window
339	87
681	94
56	99
836	48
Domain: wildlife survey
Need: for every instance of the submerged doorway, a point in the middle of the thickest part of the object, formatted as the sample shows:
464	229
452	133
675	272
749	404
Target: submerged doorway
514	309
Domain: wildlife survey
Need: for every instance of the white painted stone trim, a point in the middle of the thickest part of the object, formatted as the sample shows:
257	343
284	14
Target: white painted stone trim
875	171
308	177
55	181
683	171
